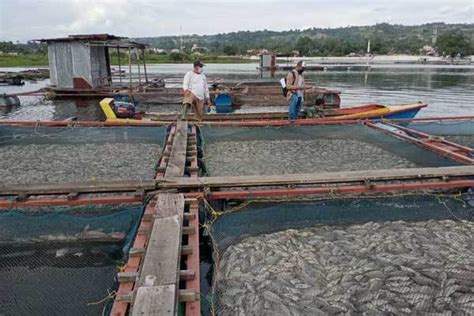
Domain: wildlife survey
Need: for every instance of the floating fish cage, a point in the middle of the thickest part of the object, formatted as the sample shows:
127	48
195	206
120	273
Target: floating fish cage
74	154
353	217
240	151
58	260
287	249
63	260
458	131
396	254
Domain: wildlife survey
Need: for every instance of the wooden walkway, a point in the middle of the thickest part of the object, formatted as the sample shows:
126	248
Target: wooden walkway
320	178
167	240
158	281
172	179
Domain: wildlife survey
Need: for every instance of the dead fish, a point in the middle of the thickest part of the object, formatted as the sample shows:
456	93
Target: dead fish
266	157
411	276
39	163
61	252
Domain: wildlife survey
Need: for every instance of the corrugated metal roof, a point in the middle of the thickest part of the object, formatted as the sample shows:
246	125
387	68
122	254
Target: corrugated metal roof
96	39
83	37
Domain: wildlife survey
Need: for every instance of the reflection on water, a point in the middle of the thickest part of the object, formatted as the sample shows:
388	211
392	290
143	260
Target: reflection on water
447	90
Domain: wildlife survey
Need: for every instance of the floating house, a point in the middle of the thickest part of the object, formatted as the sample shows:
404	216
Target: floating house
82	61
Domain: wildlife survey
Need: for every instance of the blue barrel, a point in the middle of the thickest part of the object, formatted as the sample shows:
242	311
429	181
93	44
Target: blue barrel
223	103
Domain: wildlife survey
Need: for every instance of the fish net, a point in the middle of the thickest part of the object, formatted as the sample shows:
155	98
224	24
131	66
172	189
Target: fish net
235	151
63	260
367	254
73	154
375	254
459	131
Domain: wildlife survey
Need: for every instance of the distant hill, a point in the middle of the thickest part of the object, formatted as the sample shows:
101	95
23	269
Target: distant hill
385	39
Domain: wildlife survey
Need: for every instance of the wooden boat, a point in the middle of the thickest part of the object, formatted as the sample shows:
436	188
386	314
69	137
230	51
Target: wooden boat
253	93
369	111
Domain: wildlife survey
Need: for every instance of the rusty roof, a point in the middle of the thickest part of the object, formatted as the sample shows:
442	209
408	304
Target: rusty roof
101	39
82	37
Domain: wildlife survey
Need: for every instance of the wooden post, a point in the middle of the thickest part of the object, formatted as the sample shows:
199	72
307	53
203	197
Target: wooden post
138	65
120	66
130	65
144	65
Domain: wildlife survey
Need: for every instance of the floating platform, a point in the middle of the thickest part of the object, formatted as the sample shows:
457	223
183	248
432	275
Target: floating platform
162	273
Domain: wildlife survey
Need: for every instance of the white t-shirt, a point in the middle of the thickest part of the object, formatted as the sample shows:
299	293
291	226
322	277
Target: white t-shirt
197	83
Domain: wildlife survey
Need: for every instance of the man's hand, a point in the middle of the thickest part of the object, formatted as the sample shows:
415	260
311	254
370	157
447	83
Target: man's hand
187	92
208	102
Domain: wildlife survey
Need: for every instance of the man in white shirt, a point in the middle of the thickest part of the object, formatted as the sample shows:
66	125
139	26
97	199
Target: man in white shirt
196	91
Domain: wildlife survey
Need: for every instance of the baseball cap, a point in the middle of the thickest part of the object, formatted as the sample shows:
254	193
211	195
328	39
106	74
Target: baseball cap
198	63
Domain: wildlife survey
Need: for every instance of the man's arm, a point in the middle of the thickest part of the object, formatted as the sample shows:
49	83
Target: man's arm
186	80
206	91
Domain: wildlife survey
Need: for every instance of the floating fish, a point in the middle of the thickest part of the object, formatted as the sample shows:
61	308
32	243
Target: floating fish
428	269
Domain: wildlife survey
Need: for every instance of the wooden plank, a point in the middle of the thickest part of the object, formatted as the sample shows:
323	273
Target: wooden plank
187	275
187	250
162	256
78	187
318	178
177	160
188	295
167	204
161	263
155	301
127	276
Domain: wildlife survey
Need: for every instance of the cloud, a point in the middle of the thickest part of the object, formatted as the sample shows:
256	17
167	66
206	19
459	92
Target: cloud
29	19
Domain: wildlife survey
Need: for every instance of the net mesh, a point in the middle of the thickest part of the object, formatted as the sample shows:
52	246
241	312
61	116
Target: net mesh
392	254
72	154
63	260
232	151
459	131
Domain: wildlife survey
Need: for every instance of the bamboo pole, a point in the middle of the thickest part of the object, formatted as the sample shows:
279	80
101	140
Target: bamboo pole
144	65
119	64
138	65
130	66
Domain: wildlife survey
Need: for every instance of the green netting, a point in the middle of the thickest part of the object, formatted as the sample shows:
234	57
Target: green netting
62	260
307	149
72	154
397	254
459	131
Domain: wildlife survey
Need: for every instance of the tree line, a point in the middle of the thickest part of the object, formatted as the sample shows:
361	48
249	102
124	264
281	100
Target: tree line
451	39
446	39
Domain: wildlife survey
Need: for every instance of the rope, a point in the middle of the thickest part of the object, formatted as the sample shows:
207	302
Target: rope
111	295
333	196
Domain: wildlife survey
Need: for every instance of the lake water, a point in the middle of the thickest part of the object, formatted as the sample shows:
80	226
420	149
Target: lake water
449	90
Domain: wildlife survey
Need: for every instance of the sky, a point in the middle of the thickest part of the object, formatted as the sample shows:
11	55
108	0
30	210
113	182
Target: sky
22	20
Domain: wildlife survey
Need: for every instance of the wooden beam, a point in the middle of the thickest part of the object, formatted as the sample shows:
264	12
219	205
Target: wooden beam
78	187
318	178
85	200
177	160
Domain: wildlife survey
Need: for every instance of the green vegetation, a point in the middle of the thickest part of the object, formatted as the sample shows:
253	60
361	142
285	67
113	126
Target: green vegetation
453	43
172	58
452	39
23	60
385	39
177	58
